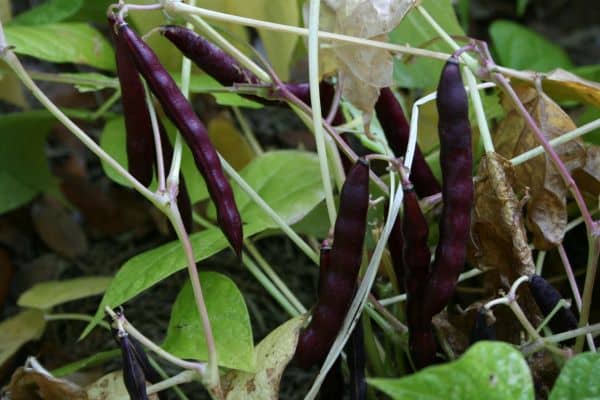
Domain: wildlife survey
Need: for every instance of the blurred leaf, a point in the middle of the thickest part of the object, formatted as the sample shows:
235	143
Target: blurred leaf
147	269
5	11
229	320
46	295
279	46
546	207
487	371
62	43
590	114
111	386
301	192
18	330
93	360
273	354
230	142
421	72
521	48
49	12
578	379
28	384
203	83
11	89
522	7
90	81
24	170
587	178
93	11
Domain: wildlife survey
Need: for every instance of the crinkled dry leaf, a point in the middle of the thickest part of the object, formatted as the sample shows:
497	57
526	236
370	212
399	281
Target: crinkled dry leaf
273	354
498	231
18	330
546	211
588	177
365	70
111	387
33	385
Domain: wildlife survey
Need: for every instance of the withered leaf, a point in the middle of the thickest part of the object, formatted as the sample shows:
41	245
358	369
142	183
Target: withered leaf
33	385
588	176
498	230
546	208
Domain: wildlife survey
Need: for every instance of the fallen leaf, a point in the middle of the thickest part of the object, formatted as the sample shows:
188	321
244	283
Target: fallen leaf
18	330
498	230
273	354
58	228
27	384
546	207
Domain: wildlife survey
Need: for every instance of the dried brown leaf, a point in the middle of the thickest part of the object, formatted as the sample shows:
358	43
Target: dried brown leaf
498	230
561	84
546	208
588	177
33	385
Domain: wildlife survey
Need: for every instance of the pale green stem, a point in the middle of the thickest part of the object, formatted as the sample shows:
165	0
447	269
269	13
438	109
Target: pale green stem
588	287
250	137
268	285
539	263
199	368
294	237
74	317
575	133
562	303
73	79
224	44
107	105
178	8
274	277
484	129
160	164
180	378
315	99
10	58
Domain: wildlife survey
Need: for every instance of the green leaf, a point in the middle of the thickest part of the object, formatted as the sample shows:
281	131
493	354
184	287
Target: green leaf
521	48
273	354
62	43
487	371
522	7
414	30
93	360
579	379
147	269
46	295
24	170
49	12
289	181
90	81
206	84
18	330
229	320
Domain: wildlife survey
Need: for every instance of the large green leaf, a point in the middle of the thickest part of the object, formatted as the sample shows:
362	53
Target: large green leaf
24	170
579	379
147	269
46	295
62	43
521	48
487	371
289	181
229	321
415	31
49	12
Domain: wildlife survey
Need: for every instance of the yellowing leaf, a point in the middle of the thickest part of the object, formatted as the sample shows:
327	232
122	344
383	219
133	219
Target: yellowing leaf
279	46
49	294
546	211
230	142
18	330
273	354
111	386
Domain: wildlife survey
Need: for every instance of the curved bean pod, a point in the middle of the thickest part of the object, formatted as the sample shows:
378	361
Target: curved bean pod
180	111
140	141
457	188
337	287
396	130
